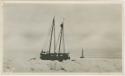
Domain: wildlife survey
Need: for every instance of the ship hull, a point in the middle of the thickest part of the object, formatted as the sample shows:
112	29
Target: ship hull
54	56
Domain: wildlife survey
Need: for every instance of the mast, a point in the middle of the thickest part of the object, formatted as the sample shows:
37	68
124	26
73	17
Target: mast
63	39
53	29
54	35
60	36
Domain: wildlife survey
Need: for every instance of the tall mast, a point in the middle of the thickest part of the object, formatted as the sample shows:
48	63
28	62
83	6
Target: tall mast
61	32
60	39
53	28
54	35
63	38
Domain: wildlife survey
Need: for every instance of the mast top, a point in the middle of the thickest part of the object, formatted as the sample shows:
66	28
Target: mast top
62	23
54	19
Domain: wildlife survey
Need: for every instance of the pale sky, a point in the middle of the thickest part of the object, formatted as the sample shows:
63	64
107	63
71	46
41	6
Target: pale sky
95	27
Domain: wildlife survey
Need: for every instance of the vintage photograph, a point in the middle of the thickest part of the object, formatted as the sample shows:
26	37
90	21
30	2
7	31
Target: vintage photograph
62	38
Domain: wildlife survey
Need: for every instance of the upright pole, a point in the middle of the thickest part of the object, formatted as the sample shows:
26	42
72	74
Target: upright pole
54	36
60	40
51	36
63	40
82	54
61	36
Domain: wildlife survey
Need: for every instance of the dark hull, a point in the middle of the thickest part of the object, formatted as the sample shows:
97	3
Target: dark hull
54	56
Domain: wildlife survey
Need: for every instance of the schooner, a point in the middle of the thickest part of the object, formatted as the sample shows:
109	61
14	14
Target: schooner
58	54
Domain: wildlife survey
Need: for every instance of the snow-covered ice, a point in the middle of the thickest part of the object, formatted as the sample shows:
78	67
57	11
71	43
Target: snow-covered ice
74	65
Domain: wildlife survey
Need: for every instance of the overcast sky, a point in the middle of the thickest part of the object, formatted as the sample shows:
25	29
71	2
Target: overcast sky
95	27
